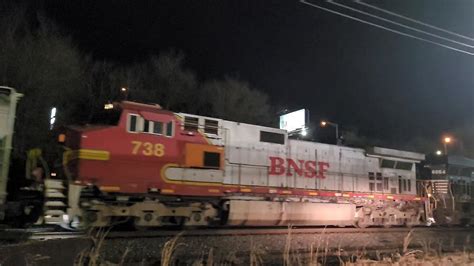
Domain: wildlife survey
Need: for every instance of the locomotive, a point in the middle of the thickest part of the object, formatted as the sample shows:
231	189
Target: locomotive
161	168
154	167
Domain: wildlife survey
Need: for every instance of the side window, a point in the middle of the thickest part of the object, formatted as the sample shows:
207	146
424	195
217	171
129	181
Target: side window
388	163
146	126
371	176
191	123
404	165
157	128
132	123
379	176
272	137
211	126
409	184
371	181
375	181
212	159
169	129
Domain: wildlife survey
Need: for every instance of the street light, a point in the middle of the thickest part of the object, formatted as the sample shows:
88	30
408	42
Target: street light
438	152
324	123
124	91
446	140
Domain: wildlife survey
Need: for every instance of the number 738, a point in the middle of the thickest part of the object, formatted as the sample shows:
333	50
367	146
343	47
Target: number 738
148	148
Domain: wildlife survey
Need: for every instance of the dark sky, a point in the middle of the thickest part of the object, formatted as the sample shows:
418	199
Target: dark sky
389	86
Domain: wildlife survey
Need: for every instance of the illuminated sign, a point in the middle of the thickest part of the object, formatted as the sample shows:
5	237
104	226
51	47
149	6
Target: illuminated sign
294	121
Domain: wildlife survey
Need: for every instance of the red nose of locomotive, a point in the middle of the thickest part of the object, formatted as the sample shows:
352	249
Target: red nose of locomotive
125	154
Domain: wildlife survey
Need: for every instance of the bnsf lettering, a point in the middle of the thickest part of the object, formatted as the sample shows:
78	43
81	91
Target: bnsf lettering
281	166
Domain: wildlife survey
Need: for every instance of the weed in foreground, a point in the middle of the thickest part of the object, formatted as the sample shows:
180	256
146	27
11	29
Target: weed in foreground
91	256
168	250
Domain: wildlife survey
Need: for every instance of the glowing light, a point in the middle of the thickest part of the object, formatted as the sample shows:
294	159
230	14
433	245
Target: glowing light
438	152
323	123
123	89
52	118
304	132
447	140
108	106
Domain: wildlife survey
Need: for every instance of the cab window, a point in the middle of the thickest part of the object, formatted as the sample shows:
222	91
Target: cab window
133	123
157	128
169	129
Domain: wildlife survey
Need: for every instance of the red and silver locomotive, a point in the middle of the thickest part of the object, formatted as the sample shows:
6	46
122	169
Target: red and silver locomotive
157	168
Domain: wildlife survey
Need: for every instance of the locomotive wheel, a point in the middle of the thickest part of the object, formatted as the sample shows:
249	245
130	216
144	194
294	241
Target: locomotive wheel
139	227
363	223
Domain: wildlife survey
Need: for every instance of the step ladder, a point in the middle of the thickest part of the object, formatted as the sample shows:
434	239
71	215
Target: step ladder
55	201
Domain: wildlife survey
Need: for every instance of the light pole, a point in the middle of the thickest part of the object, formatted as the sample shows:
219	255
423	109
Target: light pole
124	91
446	140
324	123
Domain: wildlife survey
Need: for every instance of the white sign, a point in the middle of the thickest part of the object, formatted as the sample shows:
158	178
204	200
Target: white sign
293	121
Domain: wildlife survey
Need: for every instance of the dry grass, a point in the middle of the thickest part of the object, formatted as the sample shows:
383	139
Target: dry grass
287	249
169	249
407	240
91	256
318	253
256	254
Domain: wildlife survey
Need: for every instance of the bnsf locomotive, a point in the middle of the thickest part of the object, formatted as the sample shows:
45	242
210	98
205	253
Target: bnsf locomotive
157	167
154	167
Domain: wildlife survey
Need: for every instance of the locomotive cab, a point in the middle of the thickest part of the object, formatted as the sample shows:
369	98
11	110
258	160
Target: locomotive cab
128	139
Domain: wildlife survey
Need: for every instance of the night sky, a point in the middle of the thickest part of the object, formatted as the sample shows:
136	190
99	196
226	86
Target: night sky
388	86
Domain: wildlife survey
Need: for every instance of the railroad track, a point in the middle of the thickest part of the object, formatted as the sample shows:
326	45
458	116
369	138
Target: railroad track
50	235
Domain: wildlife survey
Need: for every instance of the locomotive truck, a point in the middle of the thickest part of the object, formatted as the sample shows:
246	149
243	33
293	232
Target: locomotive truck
154	167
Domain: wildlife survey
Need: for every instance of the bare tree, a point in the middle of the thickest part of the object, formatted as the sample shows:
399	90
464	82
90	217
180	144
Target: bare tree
168	82
234	99
45	66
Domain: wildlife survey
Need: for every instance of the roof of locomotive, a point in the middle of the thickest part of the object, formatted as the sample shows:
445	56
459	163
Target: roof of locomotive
141	106
378	151
386	152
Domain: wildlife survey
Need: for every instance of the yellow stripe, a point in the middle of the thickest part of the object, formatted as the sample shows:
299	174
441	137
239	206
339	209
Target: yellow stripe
93	155
167	191
346	195
214	190
313	193
245	190
286	192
